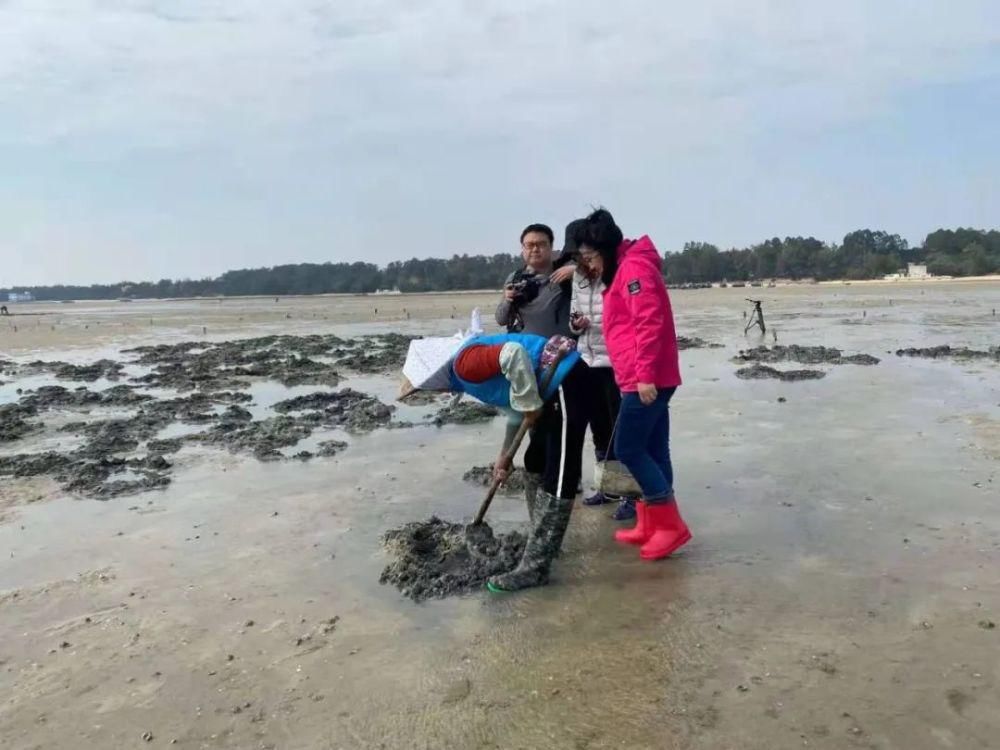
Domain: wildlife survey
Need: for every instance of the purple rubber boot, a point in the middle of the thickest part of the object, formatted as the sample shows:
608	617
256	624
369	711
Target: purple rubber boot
625	510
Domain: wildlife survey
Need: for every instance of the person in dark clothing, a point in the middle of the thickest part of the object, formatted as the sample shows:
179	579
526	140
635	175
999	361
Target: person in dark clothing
603	397
539	380
536	301
757	318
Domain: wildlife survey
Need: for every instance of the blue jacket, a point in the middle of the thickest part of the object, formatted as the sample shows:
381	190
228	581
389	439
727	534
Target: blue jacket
496	390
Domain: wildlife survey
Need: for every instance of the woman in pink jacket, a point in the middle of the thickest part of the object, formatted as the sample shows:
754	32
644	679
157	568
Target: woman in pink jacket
642	343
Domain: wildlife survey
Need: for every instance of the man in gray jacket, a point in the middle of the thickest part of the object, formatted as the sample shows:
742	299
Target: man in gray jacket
536	298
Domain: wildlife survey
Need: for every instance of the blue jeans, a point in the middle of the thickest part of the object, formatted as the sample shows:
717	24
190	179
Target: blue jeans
642	443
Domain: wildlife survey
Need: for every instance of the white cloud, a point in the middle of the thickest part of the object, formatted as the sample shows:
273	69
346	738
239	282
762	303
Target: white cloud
83	68
370	99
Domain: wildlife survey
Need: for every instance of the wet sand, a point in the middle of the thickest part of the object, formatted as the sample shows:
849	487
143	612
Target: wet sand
839	591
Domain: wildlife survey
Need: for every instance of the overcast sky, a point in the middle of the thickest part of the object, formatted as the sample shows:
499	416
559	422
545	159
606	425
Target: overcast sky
143	139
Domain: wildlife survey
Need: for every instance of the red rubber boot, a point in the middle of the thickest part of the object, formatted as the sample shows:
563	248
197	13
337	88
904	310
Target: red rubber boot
640	533
669	532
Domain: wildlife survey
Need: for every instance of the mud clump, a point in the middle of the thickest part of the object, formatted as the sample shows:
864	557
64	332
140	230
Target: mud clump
804	355
377	354
763	372
124	455
424	398
292	371
102	368
351	410
330	448
348	409
483	477
102	478
14	422
436	559
466	412
105	369
949	352
290	360
98	478
165	447
58	397
263	438
693	342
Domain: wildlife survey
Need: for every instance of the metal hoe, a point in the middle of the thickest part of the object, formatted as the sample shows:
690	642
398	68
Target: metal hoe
508	457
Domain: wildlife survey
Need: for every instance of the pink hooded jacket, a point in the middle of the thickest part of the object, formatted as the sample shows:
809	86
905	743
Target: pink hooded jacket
638	321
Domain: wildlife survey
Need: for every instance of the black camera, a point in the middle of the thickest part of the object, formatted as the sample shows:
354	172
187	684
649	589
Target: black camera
526	286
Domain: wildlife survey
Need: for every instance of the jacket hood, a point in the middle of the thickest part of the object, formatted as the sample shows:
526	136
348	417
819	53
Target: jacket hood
641	250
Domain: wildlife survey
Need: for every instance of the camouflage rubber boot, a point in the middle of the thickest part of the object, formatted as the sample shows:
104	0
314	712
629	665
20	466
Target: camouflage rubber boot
552	519
531	484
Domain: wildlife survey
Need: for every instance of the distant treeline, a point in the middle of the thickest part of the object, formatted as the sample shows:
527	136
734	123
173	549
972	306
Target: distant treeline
863	254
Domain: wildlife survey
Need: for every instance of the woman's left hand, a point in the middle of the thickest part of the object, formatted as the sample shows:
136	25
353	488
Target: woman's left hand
647	393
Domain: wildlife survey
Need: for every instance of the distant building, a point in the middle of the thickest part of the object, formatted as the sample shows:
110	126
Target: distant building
912	271
20	297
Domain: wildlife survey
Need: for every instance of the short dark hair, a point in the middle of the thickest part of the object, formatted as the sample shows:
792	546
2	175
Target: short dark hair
570	246
600	232
542	228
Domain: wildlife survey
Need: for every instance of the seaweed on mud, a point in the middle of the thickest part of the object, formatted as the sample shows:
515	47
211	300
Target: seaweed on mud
182	377
106	369
435	558
170	445
59	397
263	438
330	448
291	371
210	377
483	477
693	342
14	422
379	353
763	372
466	412
94	477
290	360
949	352
97	478
352	410
806	355
102	368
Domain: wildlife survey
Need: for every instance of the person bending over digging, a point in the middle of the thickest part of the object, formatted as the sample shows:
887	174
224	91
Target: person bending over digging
507	371
642	343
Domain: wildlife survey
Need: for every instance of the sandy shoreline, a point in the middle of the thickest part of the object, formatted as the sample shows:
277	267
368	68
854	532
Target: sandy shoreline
840	590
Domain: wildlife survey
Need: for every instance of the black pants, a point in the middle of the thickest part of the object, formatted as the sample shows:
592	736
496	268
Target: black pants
603	400
556	447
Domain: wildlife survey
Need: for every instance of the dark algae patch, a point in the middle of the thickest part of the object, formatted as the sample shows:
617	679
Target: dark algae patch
950	352
763	372
433	559
803	355
483	477
466	412
122	454
693	342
